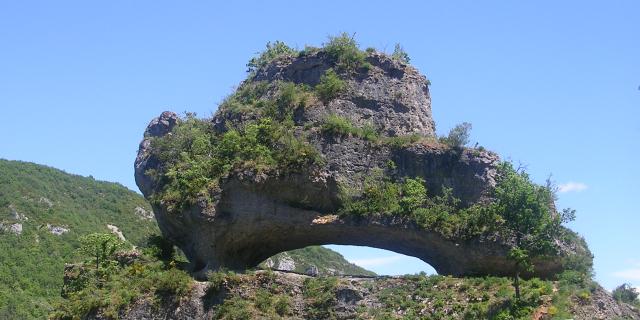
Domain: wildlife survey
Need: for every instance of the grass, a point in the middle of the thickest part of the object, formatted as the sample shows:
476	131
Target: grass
340	126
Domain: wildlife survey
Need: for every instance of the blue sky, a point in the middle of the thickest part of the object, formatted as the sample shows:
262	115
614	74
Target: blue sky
552	84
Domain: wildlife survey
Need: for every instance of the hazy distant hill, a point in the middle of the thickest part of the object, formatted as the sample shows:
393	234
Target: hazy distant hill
327	262
44	210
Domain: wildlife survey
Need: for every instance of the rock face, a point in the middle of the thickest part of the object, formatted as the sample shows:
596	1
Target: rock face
392	95
256	215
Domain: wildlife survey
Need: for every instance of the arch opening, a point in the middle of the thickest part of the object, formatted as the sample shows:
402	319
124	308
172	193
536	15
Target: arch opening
346	260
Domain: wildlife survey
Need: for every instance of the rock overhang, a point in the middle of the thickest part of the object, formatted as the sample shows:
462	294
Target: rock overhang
254	214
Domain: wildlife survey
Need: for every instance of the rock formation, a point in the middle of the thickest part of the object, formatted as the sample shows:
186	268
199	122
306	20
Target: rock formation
255	214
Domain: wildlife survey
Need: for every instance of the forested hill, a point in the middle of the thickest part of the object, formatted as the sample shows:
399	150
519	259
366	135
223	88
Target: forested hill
42	213
44	210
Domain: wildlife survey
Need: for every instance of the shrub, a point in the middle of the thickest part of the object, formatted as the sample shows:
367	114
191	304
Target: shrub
196	157
399	54
458	136
344	50
273	51
263	300
405	140
282	305
330	86
337	125
160	248
341	126
234	308
319	295
625	293
172	282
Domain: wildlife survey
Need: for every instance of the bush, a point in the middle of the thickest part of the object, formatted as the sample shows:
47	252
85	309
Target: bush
344	50
196	157
272	52
330	86
160	248
341	126
172	282
458	136
319	295
338	126
234	308
282	305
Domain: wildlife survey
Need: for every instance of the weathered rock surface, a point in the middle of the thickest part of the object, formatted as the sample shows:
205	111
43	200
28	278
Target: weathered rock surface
255	216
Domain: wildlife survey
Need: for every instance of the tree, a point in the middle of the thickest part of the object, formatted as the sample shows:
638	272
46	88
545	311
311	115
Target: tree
399	54
273	51
625	293
528	218
458	136
100	247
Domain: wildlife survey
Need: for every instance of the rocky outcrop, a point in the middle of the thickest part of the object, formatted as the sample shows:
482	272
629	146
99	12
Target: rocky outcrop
254	215
352	298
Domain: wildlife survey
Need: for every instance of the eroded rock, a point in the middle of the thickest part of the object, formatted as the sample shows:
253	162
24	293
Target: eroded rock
253	215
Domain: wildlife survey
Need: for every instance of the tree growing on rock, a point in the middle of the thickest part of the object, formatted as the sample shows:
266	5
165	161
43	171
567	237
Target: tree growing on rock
528	218
100	249
458	136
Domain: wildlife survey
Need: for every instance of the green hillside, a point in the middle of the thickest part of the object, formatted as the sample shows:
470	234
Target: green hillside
42	213
327	262
44	210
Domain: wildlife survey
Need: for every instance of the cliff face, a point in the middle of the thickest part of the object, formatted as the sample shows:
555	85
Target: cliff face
251	214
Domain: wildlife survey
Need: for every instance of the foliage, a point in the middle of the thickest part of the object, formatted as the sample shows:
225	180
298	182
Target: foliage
458	136
160	248
100	248
405	140
196	157
344	50
32	263
120	285
625	293
409	198
273	51
399	54
319	294
330	85
341	126
439	297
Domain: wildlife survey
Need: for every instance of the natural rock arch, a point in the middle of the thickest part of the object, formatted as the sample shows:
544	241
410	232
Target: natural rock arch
258	216
253	215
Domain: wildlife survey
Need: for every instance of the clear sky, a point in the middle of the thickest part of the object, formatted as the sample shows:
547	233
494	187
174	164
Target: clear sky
552	84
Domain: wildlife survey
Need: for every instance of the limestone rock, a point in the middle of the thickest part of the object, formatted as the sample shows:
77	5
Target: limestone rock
254	215
57	230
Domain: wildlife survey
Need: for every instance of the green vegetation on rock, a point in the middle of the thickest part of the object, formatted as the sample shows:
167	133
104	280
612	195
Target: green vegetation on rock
346	53
273	51
197	157
330	85
117	279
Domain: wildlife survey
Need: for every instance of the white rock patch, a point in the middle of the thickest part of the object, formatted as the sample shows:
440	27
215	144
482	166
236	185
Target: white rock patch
57	230
143	214
15	228
116	231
